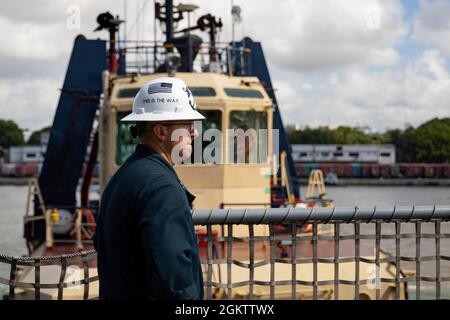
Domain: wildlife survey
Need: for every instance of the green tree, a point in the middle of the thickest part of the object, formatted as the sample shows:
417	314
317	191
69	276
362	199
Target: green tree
35	138
10	134
430	142
348	135
433	141
325	135
404	142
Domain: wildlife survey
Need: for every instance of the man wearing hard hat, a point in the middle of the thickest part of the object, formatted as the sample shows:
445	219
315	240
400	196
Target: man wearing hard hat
145	238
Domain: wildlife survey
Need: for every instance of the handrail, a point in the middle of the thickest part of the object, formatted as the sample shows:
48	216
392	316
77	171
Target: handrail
322	214
299	266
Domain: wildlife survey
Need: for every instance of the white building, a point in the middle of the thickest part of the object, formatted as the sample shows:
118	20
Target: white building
26	154
372	153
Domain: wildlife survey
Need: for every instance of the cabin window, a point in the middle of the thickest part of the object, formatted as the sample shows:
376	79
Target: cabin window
385	154
243	93
213	121
125	143
250	143
127	93
203	91
303	154
354	154
196	91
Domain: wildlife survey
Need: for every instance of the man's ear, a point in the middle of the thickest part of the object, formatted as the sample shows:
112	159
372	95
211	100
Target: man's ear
159	132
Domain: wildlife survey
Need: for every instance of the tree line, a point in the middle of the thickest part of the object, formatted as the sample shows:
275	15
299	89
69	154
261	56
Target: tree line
12	135
429	142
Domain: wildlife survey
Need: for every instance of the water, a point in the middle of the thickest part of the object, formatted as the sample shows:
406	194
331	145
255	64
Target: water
12	209
363	196
388	196
13	204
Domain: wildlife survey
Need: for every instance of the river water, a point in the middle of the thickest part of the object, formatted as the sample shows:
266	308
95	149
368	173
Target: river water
13	204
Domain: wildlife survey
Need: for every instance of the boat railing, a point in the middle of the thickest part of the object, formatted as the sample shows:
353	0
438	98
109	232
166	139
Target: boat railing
73	272
144	57
397	238
399	252
82	226
82	223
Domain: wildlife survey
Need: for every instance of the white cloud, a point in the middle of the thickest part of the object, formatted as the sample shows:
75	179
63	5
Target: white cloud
38	11
314	35
31	103
41	32
432	24
27	40
381	98
329	67
35	51
305	35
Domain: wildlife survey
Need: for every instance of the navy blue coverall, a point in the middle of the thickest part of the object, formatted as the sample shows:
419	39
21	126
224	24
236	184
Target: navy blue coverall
145	239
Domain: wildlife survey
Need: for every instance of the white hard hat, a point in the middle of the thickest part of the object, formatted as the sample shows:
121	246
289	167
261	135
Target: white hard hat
164	99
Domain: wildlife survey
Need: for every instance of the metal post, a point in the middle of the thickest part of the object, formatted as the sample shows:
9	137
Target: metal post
418	238
437	230
113	63
294	260
37	279
209	261
48	229
169	25
78	222
377	259
272	261
12	279
315	267
336	260
189	45
357	259
229	260
397	260
252	260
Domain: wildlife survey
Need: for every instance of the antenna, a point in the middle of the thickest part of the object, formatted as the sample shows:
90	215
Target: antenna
109	22
189	8
155	47
138	22
236	17
169	25
125	23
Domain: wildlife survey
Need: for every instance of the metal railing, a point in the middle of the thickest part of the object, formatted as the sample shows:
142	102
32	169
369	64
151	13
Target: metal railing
147	56
351	253
33	272
386	280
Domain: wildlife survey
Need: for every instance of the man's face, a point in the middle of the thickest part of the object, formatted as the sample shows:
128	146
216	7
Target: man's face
180	137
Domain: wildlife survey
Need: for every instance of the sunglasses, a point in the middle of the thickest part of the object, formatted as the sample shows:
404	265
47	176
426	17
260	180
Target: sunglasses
189	126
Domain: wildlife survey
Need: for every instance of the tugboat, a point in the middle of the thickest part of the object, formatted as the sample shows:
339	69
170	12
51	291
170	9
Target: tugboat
233	90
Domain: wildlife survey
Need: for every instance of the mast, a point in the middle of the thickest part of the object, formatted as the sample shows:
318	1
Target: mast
169	25
108	21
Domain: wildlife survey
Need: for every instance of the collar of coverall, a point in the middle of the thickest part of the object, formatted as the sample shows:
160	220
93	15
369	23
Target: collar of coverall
144	150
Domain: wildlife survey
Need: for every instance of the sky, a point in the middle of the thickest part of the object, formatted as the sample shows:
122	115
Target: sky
380	64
